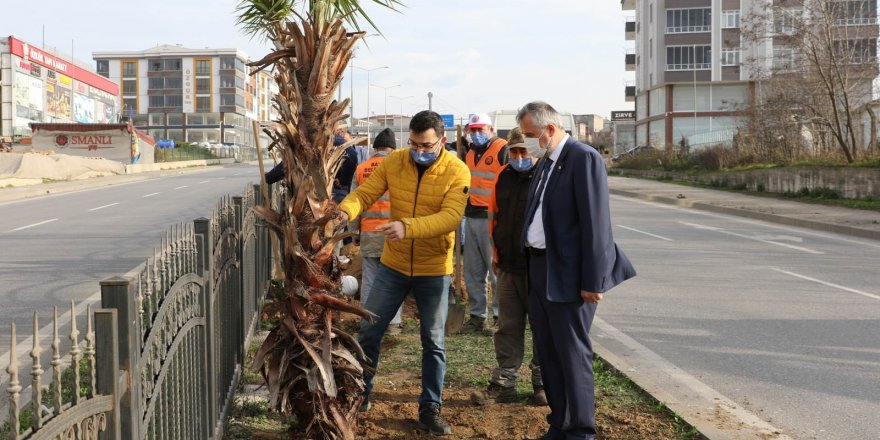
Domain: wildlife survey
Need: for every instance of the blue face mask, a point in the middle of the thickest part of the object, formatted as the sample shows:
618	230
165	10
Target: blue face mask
523	164
423	158
480	139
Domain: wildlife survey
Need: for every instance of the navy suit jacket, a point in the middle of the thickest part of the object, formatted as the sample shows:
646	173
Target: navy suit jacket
581	253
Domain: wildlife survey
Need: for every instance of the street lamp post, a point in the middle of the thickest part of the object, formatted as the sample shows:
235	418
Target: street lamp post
368	98
402	99
385	116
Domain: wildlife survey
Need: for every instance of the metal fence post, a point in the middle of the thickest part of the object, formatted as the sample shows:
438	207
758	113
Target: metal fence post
107	364
118	293
205	269
244	314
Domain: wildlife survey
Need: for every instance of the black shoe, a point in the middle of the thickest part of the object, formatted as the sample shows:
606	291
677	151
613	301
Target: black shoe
430	420
494	394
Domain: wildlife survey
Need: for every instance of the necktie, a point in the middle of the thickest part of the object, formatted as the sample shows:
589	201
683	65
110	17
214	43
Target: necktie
548	164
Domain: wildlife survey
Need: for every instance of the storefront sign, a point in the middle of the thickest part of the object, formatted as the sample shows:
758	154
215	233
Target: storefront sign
188	86
628	115
34	55
83	142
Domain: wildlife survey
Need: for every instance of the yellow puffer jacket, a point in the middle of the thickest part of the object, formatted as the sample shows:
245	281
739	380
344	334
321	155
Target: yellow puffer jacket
430	209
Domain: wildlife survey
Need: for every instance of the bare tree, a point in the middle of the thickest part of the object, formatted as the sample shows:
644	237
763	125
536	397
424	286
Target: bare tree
819	61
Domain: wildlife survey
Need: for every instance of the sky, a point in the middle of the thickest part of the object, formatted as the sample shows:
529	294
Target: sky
473	56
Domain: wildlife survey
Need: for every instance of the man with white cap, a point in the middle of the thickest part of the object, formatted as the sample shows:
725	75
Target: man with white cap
507	214
486	158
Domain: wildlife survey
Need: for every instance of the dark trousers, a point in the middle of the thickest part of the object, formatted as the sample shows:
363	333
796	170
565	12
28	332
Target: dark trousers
561	332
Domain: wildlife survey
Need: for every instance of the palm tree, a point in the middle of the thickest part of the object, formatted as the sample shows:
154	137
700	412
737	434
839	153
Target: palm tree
312	369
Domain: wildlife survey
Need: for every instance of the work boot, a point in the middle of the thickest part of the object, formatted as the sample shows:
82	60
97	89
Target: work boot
539	397
430	420
494	393
474	325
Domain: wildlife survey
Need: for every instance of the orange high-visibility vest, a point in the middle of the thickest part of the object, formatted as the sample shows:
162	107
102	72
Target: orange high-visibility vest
485	173
380	212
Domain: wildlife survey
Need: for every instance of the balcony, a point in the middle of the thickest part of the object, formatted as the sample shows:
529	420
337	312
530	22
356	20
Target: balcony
630	29
628	5
630	62
630	92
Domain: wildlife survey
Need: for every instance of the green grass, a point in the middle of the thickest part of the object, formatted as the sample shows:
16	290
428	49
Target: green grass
182	152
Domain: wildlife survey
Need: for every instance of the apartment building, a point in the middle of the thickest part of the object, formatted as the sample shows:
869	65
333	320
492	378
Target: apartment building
202	96
695	71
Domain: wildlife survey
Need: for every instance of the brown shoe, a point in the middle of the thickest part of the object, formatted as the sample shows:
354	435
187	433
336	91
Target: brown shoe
475	325
539	397
494	393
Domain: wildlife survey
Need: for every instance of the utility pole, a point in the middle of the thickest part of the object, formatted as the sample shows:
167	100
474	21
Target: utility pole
369	124
403	98
430	101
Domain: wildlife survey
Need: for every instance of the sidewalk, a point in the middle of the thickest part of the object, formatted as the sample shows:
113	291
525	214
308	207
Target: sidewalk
854	222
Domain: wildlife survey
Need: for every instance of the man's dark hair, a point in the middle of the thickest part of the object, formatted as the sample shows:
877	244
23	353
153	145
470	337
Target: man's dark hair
425	120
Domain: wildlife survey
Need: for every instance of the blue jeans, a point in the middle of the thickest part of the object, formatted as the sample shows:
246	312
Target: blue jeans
432	299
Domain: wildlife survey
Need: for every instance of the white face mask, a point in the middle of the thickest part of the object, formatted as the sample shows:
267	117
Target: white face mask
533	145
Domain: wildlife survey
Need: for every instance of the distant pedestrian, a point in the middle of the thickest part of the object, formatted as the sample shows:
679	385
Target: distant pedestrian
572	261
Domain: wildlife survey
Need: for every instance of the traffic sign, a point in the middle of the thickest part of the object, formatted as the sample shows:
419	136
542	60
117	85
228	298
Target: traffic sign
448	120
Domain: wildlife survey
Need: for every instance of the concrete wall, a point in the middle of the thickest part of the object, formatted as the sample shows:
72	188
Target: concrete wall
848	182
141	168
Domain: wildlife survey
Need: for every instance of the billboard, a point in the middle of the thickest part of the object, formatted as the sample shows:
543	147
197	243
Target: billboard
58	101
83	109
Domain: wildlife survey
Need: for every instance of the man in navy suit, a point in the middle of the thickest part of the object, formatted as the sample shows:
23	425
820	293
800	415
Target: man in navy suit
572	261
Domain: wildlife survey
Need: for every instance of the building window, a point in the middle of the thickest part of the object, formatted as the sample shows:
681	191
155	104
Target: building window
203	103
157	83
103	68
785	58
227	100
679	21
173	100
129	87
688	57
203	85
227	63
203	67
854	12
155	65
730	57
855	51
129	106
786	20
227	81
173	65
157	101
173	82
730	19
129	69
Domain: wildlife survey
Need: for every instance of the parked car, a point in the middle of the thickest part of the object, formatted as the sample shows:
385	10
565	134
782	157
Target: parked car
632	152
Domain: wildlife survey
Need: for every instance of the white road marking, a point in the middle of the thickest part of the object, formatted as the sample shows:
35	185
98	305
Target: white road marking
32	225
643	232
181	187
151	195
204	181
102	207
722	231
761	223
825	283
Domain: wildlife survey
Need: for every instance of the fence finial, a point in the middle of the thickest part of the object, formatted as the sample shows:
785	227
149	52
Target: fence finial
75	352
14	389
36	374
56	363
90	353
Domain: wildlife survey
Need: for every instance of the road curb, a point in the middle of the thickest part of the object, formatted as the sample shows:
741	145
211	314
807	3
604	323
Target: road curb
780	219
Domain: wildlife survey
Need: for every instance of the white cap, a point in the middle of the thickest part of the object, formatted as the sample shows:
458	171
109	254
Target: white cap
479	120
349	285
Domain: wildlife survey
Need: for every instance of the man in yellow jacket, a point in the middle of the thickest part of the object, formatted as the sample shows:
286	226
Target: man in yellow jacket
428	190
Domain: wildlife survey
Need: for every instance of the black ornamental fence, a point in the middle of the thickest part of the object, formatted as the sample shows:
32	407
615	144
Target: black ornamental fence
162	357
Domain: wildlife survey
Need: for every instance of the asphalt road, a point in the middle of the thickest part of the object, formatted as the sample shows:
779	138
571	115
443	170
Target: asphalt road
781	320
57	248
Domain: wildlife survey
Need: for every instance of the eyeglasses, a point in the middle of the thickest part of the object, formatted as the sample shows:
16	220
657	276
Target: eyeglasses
427	146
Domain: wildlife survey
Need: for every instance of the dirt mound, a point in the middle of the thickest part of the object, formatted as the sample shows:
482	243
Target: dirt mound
39	167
